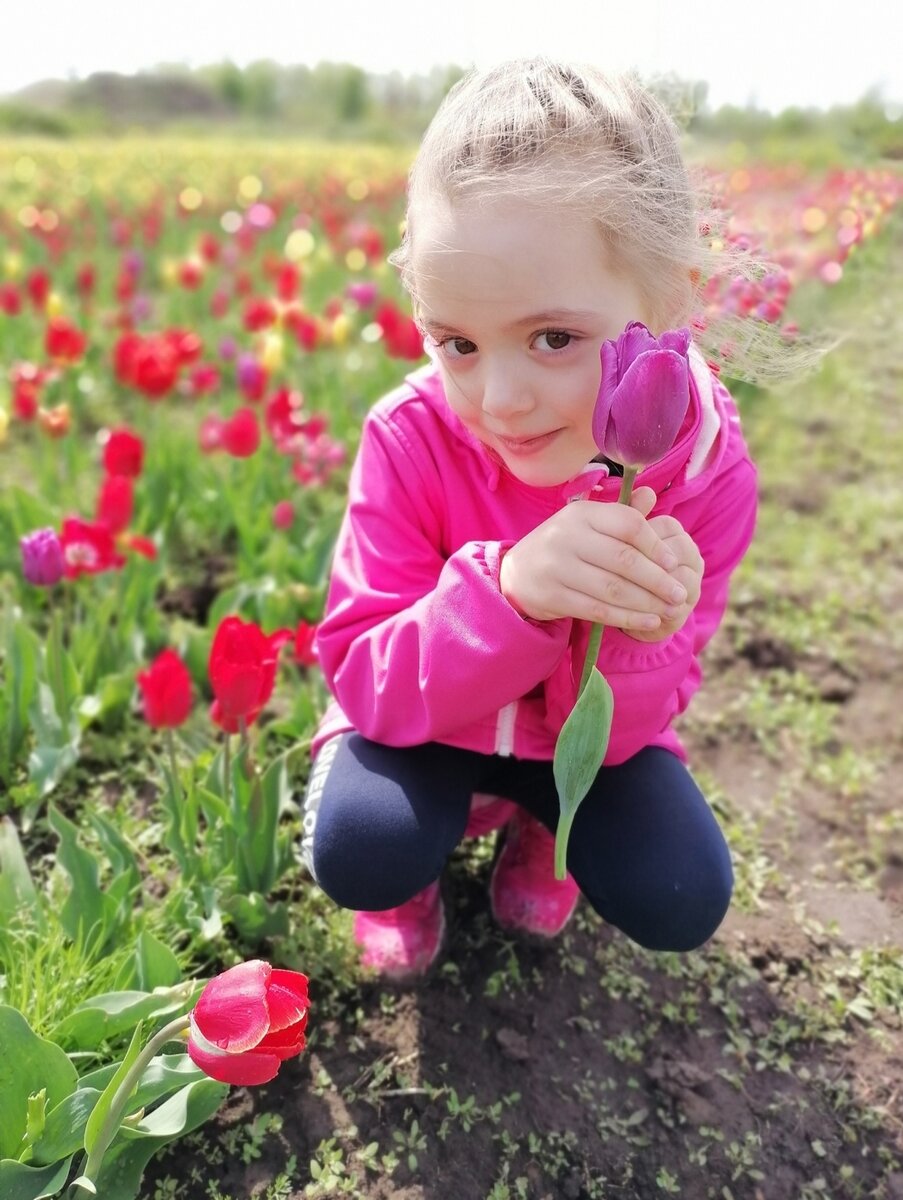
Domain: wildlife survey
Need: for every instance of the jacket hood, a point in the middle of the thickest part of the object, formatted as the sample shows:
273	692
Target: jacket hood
699	444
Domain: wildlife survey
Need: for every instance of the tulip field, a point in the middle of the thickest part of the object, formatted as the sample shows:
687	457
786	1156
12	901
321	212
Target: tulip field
191	334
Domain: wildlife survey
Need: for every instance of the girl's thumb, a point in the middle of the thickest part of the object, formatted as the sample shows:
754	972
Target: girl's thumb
643	499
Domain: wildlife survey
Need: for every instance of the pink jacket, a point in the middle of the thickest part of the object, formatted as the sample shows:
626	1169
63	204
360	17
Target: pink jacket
418	644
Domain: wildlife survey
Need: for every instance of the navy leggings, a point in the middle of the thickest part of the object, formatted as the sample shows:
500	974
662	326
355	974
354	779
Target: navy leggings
645	848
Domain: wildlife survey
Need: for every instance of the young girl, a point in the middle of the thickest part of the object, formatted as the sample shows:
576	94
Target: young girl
548	207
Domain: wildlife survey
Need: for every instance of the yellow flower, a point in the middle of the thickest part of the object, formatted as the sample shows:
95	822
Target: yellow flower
4	424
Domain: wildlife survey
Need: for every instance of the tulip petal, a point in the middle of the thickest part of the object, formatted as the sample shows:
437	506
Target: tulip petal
648	407
634	341
232	1011
677	340
286	998
286	1042
602	411
244	1070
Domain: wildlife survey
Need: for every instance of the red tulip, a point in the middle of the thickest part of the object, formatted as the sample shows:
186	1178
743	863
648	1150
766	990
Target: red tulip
643	396
242	667
247	1022
305	645
166	691
63	341
123	453
10	299
241	434
88	548
116	502
258	314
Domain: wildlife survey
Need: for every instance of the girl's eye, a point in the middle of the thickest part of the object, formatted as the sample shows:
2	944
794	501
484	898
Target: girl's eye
556	339
457	347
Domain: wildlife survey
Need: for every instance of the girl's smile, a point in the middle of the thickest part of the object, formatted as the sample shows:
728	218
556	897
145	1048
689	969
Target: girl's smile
515	307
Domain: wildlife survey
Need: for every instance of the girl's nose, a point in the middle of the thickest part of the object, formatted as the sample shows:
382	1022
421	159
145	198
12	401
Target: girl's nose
505	395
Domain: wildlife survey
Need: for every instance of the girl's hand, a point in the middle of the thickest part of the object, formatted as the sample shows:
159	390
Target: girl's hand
689	571
604	563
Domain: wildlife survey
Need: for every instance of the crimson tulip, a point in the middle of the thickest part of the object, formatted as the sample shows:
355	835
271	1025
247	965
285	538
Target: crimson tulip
166	691
88	548
63	341
241	434
643	396
242	668
116	502
247	1022
123	453
305	645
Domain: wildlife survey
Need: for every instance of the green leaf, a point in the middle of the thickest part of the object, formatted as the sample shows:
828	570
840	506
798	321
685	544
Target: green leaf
86	906
56	744
60	671
579	752
125	1162
102	1017
156	965
22	657
28	1063
94	1128
64	1126
256	918
21	1182
165	1073
17	890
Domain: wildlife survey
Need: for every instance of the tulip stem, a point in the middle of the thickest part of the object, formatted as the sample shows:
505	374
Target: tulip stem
595	633
227	772
173	765
124	1092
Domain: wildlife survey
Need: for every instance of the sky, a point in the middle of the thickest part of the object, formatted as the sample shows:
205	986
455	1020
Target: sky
773	53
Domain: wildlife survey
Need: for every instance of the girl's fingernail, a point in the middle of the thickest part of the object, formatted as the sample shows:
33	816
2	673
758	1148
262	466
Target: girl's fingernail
678	594
669	561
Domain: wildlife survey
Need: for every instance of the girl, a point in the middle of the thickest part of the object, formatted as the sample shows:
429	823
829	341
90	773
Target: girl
548	207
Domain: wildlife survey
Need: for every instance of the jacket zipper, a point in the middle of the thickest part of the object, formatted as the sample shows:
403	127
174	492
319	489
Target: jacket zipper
504	730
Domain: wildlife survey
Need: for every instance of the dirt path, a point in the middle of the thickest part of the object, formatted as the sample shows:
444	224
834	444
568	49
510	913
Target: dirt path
769	1066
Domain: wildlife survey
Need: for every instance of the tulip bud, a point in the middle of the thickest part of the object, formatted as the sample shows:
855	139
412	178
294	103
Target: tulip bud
42	557
643	396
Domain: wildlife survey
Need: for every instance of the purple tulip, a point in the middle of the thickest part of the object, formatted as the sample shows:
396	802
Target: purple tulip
42	557
643	396
250	373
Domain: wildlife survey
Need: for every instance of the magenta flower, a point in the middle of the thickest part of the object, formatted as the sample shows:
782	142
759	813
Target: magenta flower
643	396
42	557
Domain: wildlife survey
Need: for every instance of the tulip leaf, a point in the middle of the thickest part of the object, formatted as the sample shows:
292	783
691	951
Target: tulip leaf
119	1177
18	1181
22	657
579	753
17	889
156	965
56	742
112	1013
28	1064
94	1128
164	1074
64	1126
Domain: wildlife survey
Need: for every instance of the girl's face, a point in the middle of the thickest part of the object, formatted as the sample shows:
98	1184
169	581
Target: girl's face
520	304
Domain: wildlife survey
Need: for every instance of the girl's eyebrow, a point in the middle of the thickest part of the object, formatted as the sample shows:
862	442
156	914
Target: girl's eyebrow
548	315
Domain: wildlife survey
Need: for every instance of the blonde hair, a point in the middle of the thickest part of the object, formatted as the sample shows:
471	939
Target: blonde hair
573	138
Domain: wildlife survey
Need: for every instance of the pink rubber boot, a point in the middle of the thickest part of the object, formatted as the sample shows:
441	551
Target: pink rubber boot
487	813
404	941
524	892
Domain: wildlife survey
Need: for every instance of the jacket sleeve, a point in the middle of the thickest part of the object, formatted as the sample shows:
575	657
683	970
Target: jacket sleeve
416	643
722	531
